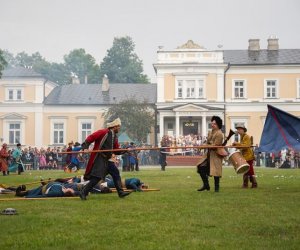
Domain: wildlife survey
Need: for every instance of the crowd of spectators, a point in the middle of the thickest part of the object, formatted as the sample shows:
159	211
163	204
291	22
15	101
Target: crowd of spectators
51	157
286	158
45	158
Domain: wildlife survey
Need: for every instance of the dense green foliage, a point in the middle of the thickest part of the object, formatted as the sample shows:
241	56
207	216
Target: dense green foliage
83	66
3	62
121	64
137	118
176	217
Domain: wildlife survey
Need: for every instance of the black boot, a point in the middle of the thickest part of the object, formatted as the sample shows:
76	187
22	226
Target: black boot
204	178
120	190
217	183
3	173
88	187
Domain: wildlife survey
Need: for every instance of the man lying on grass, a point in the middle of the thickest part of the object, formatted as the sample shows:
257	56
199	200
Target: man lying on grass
51	189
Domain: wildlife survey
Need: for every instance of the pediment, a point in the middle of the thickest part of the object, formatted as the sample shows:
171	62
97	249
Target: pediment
13	116
190	108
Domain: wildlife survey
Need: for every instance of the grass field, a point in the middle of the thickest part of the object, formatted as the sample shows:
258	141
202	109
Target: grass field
176	217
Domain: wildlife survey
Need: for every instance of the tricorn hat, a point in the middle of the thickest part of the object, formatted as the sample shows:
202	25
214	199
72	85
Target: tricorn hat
241	125
114	123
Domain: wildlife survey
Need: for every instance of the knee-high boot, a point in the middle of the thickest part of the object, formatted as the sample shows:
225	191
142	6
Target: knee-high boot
204	178
253	181
120	190
217	183
245	181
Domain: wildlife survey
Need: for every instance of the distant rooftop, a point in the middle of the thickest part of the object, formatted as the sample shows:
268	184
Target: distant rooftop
20	72
92	94
263	57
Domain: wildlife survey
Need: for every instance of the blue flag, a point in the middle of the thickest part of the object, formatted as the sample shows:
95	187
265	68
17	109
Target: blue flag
281	130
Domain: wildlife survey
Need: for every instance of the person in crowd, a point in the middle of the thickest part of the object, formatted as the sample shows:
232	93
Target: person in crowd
42	157
74	163
248	154
4	155
133	159
36	158
165	142
69	156
27	158
17	164
211	163
125	158
98	166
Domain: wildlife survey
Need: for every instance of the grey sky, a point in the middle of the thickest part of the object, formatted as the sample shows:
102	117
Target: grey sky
55	27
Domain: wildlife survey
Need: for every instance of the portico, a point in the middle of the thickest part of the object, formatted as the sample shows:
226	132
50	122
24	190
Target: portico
186	119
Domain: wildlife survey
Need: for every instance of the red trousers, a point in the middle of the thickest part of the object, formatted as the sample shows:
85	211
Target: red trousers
251	169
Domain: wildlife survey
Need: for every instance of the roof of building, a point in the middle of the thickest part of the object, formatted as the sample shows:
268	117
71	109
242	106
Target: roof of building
19	72
92	94
263	57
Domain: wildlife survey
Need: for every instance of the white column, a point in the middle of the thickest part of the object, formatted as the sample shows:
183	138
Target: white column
220	87
38	132
177	125
161	126
160	88
204	131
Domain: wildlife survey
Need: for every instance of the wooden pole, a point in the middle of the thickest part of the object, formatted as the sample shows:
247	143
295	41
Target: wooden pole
152	148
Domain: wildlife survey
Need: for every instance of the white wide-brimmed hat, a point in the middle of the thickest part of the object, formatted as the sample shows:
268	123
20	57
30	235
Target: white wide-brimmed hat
242	126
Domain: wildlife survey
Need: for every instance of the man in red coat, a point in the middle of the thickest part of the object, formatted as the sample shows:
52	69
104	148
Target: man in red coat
98	166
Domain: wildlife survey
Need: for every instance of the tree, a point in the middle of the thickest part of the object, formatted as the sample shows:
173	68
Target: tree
3	62
83	65
55	72
137	118
10	59
121	64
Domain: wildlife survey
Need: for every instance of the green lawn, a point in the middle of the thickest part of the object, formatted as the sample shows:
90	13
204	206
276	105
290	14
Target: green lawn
176	217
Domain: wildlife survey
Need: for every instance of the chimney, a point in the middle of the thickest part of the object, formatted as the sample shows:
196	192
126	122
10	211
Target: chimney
273	43
75	80
105	83
253	45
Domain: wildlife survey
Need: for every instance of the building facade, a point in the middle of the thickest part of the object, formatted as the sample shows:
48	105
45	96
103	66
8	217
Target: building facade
193	84
36	112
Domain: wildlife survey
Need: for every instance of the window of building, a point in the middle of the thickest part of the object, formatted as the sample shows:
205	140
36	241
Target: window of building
19	95
271	89
86	130
179	89
85	127
239	89
170	125
14	131
58	133
201	89
14	94
190	88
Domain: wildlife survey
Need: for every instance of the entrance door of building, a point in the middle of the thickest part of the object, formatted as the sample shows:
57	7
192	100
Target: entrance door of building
190	128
